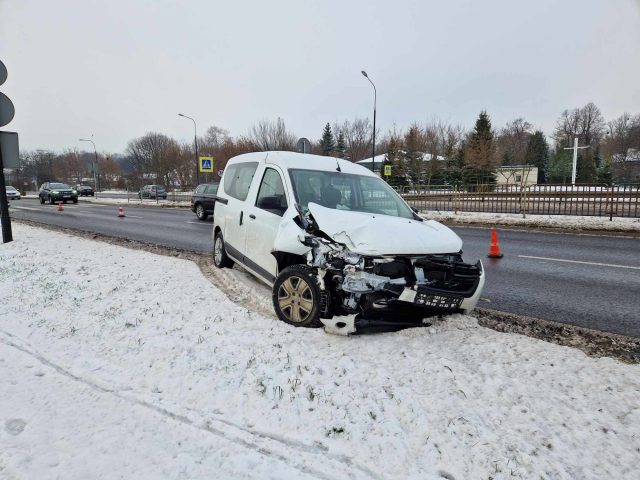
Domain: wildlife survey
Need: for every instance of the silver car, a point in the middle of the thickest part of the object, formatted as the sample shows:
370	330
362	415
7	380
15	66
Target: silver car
12	193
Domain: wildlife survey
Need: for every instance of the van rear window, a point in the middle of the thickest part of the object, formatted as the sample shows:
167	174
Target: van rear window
237	179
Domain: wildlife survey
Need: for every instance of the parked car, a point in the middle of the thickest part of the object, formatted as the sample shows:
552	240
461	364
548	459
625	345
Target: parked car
85	190
12	193
203	200
152	191
53	192
337	244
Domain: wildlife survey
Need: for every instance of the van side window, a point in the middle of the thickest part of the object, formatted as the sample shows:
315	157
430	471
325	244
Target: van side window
271	196
237	179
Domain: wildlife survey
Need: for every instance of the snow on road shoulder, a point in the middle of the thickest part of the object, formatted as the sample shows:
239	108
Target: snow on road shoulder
567	222
177	360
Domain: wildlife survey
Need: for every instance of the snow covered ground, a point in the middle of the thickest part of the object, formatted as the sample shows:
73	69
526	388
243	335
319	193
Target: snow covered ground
135	201
568	222
109	372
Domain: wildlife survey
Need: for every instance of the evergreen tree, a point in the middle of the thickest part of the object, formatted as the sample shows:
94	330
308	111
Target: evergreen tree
327	143
394	157
605	173
480	161
412	154
560	164
537	154
341	146
586	168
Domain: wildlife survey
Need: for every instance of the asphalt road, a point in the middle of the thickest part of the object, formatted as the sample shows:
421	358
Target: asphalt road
587	280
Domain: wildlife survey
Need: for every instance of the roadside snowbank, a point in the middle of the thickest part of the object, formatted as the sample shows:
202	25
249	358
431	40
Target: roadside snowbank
112	372
567	222
135	201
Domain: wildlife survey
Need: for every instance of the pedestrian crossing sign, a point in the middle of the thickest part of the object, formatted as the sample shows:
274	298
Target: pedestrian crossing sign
206	164
387	170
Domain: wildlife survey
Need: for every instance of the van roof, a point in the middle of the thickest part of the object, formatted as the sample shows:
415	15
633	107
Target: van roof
287	160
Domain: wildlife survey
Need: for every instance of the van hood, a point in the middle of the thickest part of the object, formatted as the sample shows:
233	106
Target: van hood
376	235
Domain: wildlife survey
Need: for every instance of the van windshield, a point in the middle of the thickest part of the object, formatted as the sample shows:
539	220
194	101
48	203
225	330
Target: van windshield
345	191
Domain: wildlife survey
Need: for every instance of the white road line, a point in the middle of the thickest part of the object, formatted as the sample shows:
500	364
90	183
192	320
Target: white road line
578	261
200	223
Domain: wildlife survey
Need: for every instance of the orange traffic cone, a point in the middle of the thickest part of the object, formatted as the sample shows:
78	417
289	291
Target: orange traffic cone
60	209
120	212
494	249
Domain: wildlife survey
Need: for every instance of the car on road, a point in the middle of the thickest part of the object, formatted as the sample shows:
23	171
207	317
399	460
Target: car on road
152	191
12	193
203	200
338	245
85	190
53	192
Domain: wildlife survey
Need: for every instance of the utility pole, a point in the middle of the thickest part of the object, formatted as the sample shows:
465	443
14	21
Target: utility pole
375	99
575	158
95	165
195	141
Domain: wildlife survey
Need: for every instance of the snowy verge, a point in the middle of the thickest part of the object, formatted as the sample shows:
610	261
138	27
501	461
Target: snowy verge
566	222
180	382
135	201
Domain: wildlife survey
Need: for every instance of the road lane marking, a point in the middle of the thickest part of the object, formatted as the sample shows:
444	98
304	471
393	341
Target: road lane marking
580	262
200	223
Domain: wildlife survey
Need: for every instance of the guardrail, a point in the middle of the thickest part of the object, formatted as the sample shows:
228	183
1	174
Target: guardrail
586	200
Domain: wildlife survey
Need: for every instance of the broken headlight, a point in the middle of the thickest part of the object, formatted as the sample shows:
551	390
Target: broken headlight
351	258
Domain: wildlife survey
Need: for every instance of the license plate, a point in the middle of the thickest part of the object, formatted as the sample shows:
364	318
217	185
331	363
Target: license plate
438	301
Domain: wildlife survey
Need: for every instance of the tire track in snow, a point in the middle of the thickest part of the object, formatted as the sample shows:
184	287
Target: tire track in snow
325	465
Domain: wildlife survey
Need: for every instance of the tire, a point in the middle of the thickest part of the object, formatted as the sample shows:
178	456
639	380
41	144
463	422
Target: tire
297	298
220	258
41	200
75	200
200	212
51	200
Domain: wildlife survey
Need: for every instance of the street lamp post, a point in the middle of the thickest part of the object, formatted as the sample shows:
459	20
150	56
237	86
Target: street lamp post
375	95
195	141
95	165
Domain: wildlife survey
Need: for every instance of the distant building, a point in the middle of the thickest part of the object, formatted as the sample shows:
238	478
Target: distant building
627	166
516	175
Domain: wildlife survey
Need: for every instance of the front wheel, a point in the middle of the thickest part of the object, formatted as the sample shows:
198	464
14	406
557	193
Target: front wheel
75	200
220	258
51	200
297	298
41	200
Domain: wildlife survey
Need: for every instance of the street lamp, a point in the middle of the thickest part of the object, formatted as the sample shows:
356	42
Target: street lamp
195	141
375	95
95	165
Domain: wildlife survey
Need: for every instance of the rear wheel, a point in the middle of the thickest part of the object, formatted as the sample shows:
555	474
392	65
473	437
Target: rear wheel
200	212
297	298
220	258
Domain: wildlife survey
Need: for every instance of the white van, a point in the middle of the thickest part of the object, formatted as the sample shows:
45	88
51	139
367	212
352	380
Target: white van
337	244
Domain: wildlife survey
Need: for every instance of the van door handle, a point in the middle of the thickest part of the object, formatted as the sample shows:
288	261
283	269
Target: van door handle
252	216
241	214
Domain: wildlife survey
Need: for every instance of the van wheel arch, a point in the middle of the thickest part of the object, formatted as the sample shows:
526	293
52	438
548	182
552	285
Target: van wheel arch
286	259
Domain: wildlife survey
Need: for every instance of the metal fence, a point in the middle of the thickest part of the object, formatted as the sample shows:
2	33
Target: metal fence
587	200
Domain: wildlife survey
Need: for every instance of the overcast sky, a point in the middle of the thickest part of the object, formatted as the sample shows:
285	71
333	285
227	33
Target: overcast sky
120	68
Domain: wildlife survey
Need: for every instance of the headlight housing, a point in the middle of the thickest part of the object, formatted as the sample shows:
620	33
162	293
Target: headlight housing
55	191
74	192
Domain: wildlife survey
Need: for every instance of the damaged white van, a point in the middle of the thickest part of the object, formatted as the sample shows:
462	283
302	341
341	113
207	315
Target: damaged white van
337	244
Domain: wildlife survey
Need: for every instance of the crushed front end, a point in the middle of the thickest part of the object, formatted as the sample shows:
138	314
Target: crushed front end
391	291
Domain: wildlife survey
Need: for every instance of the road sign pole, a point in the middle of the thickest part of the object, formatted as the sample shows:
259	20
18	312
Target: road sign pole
5	219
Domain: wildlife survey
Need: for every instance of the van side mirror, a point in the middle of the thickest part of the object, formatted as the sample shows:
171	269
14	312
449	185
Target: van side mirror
273	203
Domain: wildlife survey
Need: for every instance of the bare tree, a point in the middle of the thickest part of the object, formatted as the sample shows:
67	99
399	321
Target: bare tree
511	144
358	137
155	154
267	135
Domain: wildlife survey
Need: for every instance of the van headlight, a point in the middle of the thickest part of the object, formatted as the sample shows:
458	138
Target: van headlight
351	258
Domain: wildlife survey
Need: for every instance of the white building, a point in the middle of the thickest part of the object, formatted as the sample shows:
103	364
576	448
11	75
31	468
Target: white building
516	175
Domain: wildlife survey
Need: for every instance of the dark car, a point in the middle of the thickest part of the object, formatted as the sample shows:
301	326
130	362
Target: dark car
203	200
53	192
152	191
85	191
